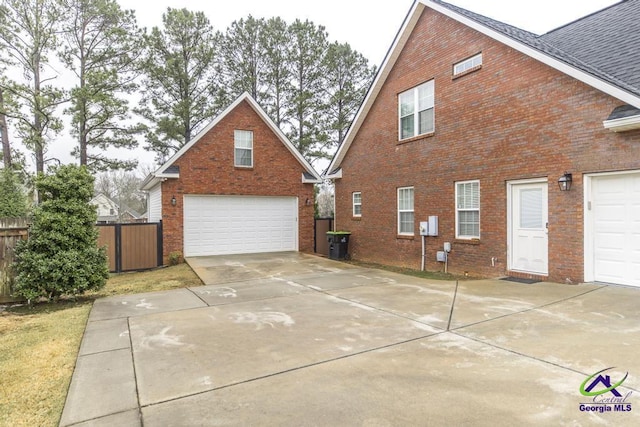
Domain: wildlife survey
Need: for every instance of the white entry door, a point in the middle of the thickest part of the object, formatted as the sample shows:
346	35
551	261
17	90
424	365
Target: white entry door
528	231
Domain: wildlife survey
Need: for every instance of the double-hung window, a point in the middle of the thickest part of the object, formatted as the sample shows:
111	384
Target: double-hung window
415	108
357	204
405	211
243	145
468	210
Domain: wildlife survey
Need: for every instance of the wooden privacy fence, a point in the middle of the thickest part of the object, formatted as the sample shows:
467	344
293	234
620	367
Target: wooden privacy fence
322	225
11	231
133	246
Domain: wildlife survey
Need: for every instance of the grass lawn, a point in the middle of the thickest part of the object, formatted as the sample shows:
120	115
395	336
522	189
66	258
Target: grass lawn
39	345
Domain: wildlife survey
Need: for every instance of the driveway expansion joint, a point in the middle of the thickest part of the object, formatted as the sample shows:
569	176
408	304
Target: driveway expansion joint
335	341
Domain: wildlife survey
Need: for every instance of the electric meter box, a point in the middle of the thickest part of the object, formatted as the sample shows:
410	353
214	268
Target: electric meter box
424	228
432	230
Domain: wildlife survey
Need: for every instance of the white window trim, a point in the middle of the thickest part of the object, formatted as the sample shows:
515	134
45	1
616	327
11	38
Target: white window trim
416	111
462	236
235	147
467	64
353	200
412	233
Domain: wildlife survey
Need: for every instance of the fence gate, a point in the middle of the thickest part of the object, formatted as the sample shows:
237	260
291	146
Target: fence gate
11	231
132	246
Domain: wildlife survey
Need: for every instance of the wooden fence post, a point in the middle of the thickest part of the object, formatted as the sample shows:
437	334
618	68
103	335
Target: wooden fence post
12	230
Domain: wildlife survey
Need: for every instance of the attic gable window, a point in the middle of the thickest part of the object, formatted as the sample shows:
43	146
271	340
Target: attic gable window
415	110
469	64
243	144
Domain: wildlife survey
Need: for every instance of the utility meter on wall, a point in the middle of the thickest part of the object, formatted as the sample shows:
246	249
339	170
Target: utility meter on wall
424	228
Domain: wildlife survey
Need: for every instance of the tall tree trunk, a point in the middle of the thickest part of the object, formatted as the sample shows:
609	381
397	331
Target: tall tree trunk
83	114
83	144
4	135
38	140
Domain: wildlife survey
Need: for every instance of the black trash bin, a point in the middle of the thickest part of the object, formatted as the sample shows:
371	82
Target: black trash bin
338	244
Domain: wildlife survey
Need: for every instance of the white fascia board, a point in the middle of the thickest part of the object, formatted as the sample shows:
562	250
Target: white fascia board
167	175
155	179
384	70
282	137
623	124
336	174
149	184
200	134
567	69
404	34
263	115
306	180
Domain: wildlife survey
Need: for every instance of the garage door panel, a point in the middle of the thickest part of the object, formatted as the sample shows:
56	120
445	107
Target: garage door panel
616	228
217	225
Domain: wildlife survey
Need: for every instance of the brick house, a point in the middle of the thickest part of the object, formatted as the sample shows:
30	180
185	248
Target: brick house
480	123
239	186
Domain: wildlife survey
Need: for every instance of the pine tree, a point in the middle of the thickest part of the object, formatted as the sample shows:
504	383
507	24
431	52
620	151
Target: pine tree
180	90
13	202
102	45
27	36
244	57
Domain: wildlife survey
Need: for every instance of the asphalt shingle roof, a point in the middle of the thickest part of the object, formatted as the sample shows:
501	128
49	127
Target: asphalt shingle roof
608	39
172	169
603	44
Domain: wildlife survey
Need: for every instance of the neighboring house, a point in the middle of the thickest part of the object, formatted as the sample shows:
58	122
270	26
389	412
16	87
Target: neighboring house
110	213
476	122
239	186
107	209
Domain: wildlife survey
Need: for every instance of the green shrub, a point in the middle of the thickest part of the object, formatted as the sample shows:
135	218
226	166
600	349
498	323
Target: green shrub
13	202
61	256
175	258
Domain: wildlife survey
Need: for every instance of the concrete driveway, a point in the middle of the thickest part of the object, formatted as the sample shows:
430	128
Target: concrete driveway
298	340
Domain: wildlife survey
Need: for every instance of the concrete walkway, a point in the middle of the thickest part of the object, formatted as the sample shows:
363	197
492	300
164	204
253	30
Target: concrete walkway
296	340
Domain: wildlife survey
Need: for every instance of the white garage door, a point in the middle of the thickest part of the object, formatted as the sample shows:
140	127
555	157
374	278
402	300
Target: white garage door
616	232
219	225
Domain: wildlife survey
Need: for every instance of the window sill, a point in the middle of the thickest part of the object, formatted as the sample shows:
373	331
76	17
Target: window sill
356	218
243	168
405	237
469	71
467	241
416	138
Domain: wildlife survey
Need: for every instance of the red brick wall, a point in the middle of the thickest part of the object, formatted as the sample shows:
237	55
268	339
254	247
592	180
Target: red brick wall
208	168
515	118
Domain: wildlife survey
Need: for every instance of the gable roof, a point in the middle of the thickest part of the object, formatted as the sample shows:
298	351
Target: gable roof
565	57
170	170
102	199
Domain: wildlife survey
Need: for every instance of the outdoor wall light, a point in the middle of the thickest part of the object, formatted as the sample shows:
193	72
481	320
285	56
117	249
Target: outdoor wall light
307	202
564	182
173	201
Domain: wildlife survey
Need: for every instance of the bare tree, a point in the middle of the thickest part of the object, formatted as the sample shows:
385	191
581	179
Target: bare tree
123	187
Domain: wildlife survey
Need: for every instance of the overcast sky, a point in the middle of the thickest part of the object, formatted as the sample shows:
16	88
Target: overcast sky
369	26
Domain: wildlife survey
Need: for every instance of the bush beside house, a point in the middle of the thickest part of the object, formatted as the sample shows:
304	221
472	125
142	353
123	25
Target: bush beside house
61	256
